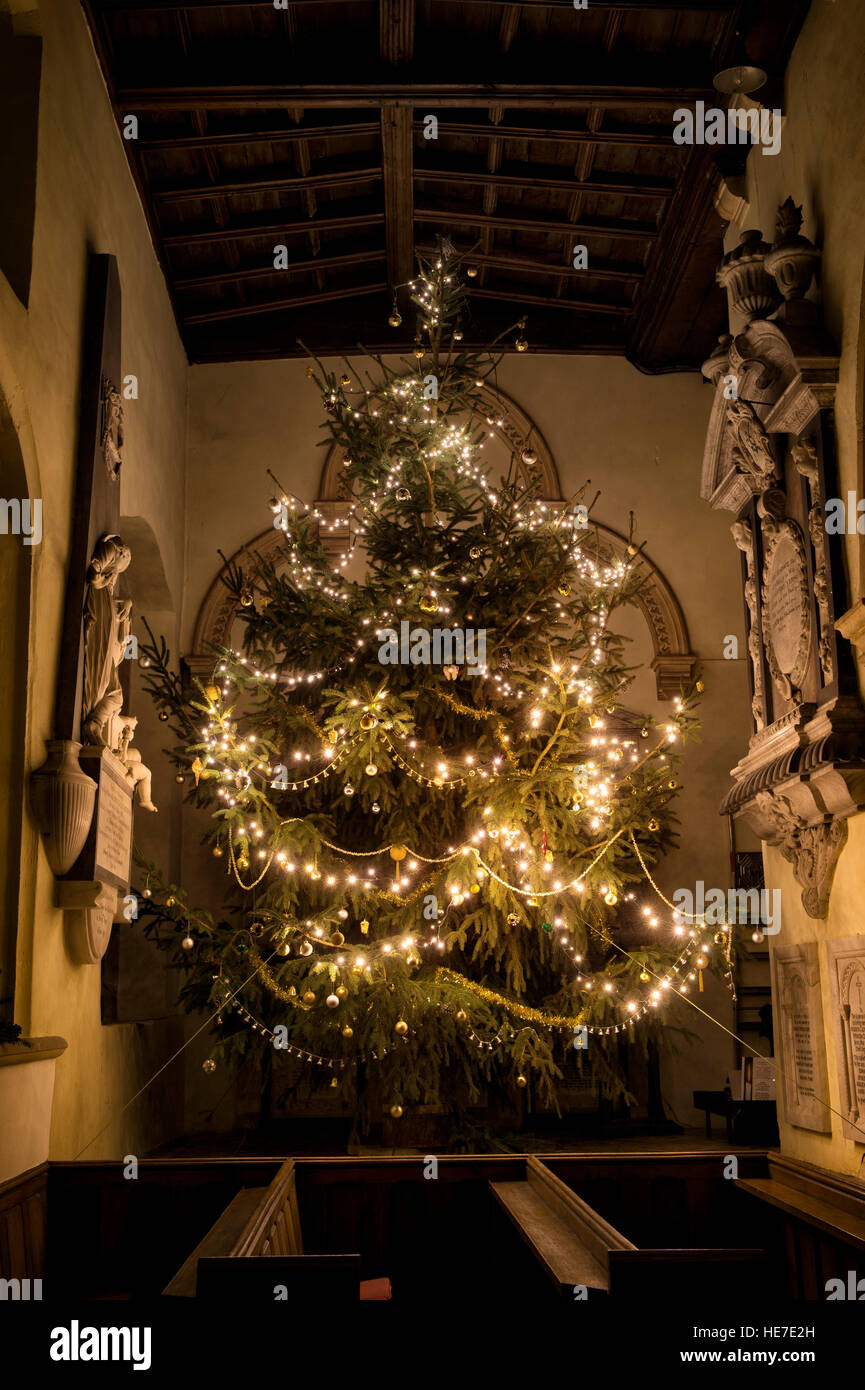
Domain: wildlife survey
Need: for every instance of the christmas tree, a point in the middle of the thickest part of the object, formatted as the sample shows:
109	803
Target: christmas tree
433	807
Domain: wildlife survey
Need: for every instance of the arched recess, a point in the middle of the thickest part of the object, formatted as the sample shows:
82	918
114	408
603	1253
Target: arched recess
505	421
673	662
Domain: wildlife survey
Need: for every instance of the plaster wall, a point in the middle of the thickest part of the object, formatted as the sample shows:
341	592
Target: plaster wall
86	202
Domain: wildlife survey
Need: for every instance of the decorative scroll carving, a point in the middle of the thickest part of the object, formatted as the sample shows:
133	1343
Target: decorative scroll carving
804	456
812	850
744	538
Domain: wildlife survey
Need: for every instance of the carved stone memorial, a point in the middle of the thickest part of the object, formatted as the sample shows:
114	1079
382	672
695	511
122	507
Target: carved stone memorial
83	794
799	1037
846	957
769	460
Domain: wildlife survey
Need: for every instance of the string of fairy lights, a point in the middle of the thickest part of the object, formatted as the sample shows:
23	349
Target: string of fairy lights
374	736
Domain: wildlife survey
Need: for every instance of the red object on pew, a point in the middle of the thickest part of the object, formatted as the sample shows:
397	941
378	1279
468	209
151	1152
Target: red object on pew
375	1290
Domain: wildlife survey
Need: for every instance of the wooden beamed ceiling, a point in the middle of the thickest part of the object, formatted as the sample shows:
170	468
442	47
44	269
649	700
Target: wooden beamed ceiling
352	132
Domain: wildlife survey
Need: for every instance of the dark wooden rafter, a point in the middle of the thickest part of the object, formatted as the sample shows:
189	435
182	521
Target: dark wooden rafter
559	96
261	125
707	7
396	47
611	228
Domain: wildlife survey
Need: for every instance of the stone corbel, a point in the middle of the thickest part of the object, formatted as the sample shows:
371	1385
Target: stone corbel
89	909
672	671
813	850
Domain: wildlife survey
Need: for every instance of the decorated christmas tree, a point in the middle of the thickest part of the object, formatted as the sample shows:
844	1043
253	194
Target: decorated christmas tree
432	812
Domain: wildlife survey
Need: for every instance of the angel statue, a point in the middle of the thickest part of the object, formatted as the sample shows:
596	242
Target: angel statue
107	625
122	733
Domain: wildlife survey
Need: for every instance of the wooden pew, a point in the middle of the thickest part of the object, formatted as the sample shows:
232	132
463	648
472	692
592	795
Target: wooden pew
261	1227
577	1248
571	1241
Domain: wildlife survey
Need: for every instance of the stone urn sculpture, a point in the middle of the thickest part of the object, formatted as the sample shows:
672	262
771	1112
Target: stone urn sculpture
753	292
62	798
792	260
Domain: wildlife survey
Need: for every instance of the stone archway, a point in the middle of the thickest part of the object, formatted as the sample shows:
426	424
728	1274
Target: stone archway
672	662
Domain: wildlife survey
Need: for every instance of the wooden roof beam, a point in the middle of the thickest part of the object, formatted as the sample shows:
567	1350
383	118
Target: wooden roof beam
275	306
611	228
584	306
631	186
435	96
323	263
279	182
285	228
499	260
647	137
213	139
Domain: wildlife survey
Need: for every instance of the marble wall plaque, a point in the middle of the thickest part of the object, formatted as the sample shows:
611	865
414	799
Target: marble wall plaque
847	985
788	604
107	853
799	1038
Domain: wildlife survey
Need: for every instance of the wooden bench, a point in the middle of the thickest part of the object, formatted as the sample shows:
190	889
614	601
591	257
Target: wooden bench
569	1239
576	1247
261	1228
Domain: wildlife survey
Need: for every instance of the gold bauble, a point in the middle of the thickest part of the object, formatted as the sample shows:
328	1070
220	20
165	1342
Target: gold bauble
611	898
332	1002
428	603
163	715
397	853
370	769
644	733
395	318
396	1112
345	380
217	852
337	939
471	271
334	1083
413	960
400	1027
368	721
632	550
242	861
644	976
283	948
513	919
364	926
701	686
476	552
308	997
521	1081
475	888
653	824
521	345
212	692
357	969
333	736
720	939
672	784
341	991
418	351
548	856
461	1015
564	588
246	596
594	721
170	901
348	1031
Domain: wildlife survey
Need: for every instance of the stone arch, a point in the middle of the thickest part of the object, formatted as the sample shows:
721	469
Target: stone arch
506	421
673	662
148	584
